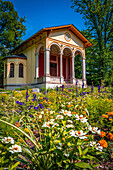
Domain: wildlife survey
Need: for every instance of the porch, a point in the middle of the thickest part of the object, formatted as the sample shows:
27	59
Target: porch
58	80
55	66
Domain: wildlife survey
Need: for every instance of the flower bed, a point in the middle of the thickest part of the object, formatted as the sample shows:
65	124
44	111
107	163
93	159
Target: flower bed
57	129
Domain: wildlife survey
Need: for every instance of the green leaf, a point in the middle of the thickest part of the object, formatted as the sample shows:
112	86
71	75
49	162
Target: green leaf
85	151
95	165
59	153
15	165
80	151
83	165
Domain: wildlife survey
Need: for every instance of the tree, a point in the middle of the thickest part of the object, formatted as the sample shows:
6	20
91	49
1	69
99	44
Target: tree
98	15
12	28
78	66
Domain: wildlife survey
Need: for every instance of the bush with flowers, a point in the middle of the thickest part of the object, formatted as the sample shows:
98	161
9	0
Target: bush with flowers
57	129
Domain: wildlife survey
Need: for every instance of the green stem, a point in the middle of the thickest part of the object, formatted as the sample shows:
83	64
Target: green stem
21	132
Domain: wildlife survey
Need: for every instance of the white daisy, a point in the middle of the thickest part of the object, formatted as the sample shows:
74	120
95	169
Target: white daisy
98	147
94	129
92	143
8	140
70	126
69	121
79	134
55	125
15	148
59	117
46	124
81	118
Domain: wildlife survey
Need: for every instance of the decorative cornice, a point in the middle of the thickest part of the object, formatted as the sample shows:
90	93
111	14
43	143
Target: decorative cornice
64	43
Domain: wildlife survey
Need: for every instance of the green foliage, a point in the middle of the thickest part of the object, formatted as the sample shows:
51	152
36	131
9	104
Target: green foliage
98	16
78	66
12	28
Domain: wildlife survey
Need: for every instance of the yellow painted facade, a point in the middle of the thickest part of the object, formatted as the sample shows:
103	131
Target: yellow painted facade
16	79
45	38
30	69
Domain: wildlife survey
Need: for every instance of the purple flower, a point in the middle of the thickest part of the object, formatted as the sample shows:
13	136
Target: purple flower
40	106
34	95
3	100
22	103
92	88
27	96
17	102
99	88
82	85
62	87
36	108
57	89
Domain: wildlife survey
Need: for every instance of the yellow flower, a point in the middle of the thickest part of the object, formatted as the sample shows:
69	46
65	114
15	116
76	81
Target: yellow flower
112	155
63	139
26	130
69	144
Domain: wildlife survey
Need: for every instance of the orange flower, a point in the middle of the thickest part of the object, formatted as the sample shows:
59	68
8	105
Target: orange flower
105	116
102	134
49	102
68	106
110	113
26	129
86	139
41	97
110	119
84	112
17	124
103	143
21	140
110	136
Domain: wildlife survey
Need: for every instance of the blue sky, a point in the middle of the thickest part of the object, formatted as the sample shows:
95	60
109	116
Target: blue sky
46	13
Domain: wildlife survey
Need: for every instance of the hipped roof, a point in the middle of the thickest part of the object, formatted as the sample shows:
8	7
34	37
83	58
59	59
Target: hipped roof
22	56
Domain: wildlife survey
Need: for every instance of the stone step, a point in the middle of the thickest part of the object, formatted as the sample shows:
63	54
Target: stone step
68	85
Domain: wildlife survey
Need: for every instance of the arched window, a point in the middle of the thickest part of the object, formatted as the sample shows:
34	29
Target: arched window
12	70
21	70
